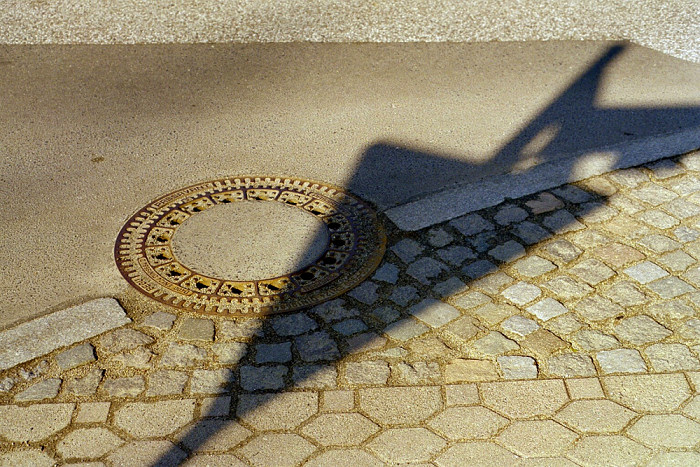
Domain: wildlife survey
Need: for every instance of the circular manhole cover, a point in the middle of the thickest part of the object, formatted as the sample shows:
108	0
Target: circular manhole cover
245	246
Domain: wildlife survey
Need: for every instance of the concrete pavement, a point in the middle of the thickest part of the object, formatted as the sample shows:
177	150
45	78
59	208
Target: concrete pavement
517	317
90	134
667	26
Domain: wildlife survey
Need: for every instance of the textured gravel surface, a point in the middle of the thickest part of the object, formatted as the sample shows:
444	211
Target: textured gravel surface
669	26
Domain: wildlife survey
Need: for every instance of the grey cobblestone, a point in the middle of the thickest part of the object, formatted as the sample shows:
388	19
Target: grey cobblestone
522	293
592	339
676	261
365	292
211	381
597	308
533	266
46	389
640	330
561	222
263	377
425	270
629	177
159	320
494	314
273	353
293	325
139	357
671	357
653	194
166	382
317	346
592	271
315	376
407	250
531	233
183	355
83	385
570	365
626	294
507	252
124	339
405	329
519	325
456	254
659	243
387	272
471	224
229	353
494	343
76	356
658	219
621	361
547	309
433	312
403	295
386	314
239	329
517	367
416	373
545	202
196	329
130	386
566	288
350	327
371	372
670	287
682	209
563	250
493	283
438	237
334	310
510	214
479	268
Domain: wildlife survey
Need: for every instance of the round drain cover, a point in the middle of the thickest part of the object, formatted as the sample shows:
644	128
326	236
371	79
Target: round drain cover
245	246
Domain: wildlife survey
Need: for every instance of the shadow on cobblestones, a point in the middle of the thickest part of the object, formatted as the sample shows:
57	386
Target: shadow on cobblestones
419	288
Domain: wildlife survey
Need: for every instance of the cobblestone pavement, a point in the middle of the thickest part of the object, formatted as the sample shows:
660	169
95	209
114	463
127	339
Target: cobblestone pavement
558	329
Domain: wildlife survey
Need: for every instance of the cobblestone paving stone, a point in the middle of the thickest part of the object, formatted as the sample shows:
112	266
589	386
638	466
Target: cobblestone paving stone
560	329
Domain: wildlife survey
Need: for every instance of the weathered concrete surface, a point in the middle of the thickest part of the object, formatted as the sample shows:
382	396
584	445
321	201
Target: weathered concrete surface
46	334
666	25
91	133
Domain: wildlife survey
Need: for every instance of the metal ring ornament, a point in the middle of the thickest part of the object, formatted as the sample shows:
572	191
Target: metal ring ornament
356	244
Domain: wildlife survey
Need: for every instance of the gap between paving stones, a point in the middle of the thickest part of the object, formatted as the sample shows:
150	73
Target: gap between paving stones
493	311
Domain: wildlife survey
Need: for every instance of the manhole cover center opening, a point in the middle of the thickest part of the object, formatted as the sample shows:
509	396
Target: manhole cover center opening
250	240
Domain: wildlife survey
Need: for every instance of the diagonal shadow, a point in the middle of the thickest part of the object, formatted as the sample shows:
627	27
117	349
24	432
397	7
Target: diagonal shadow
572	121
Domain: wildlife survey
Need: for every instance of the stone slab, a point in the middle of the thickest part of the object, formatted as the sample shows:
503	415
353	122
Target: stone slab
43	335
488	192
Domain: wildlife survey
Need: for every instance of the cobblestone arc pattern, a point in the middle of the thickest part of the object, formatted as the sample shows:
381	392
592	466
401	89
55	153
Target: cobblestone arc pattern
144	254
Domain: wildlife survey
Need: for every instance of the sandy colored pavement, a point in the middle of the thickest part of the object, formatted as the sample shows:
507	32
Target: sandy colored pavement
89	134
669	26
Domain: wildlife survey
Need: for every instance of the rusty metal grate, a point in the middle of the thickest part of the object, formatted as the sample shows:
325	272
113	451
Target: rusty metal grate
145	256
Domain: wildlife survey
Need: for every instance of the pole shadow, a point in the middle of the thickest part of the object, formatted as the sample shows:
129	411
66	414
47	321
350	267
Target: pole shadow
572	120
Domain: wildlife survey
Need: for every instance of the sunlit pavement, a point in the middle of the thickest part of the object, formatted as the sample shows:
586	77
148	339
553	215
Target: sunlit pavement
559	328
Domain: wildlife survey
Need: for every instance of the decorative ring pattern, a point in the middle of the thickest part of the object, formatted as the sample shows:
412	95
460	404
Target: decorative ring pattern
144	253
